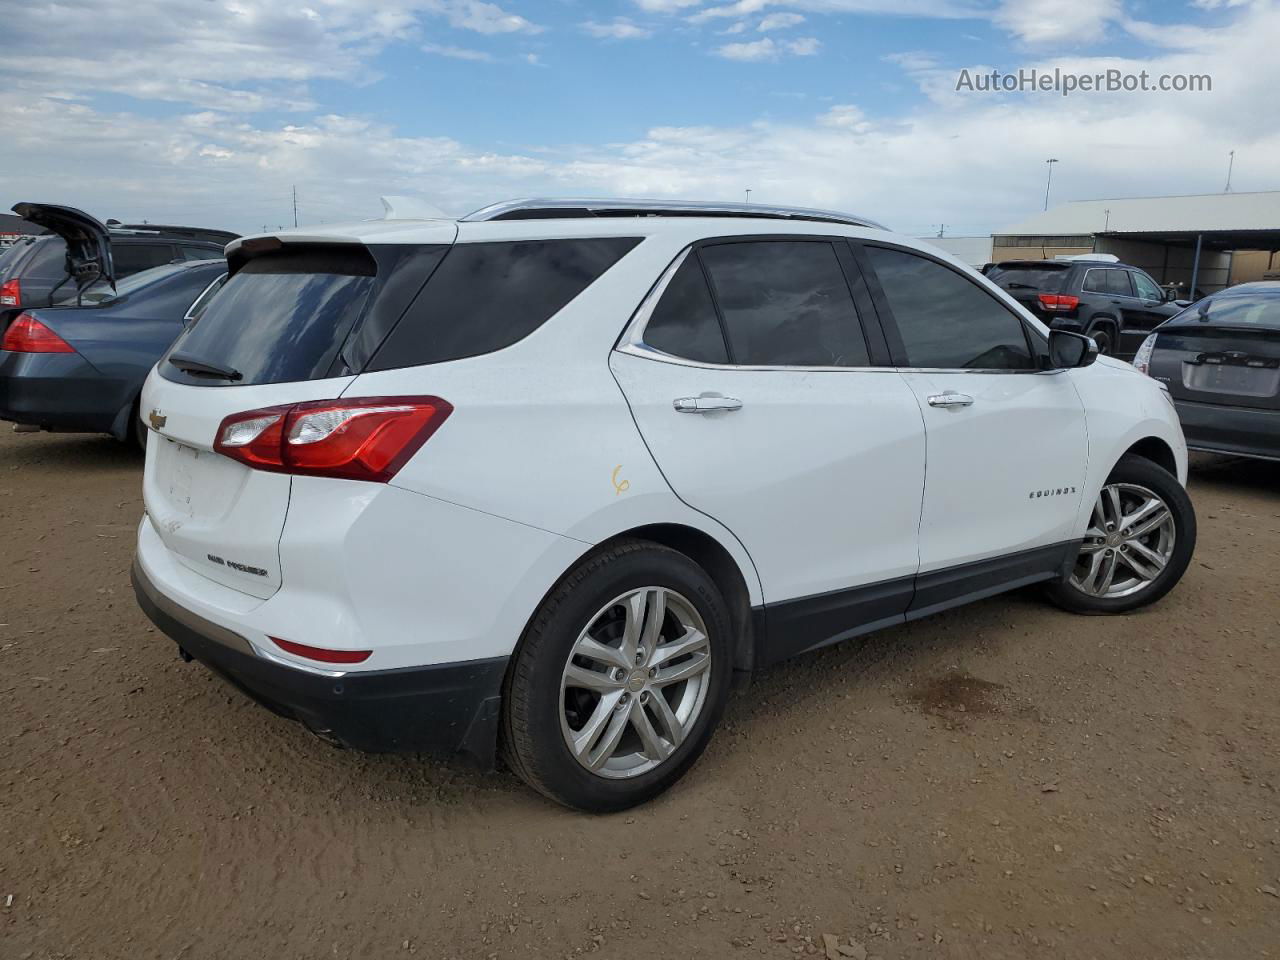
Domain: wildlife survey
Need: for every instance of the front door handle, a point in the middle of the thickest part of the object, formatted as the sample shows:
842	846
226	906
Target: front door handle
706	404
951	400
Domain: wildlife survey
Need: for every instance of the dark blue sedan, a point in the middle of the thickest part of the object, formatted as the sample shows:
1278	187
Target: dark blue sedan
80	368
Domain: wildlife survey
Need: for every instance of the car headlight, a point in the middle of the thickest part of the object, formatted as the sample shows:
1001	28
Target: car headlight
1142	359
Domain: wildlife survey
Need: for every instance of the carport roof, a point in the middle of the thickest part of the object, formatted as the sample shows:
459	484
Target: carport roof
1178	216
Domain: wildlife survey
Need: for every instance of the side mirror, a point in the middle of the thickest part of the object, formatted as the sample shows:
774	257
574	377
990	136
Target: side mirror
1069	350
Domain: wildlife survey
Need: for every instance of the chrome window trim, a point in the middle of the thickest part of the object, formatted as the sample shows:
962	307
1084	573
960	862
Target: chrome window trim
632	342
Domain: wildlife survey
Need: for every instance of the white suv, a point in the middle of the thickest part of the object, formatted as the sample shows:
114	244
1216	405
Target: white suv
547	478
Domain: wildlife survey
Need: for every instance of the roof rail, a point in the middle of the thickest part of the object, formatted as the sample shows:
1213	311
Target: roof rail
547	209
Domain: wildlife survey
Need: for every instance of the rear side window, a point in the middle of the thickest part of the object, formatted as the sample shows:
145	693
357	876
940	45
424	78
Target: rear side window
785	303
1109	281
486	296
945	320
280	318
684	323
133	257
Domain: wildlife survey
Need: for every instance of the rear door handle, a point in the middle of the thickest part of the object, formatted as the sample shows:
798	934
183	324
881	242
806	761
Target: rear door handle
706	404
951	400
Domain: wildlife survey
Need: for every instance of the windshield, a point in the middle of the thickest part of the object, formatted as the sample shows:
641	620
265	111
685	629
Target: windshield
100	292
10	254
1039	276
1244	309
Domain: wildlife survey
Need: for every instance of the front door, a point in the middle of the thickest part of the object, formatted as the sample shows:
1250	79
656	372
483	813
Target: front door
750	383
1005	441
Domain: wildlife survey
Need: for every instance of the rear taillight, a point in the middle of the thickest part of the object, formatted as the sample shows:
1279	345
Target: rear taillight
29	335
365	438
1142	359
1058	302
11	293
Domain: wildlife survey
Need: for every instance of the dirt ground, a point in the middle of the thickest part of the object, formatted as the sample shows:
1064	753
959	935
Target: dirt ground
1001	781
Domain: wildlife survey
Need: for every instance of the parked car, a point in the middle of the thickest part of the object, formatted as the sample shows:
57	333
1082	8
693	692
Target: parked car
1115	304
46	270
549	477
81	368
1220	359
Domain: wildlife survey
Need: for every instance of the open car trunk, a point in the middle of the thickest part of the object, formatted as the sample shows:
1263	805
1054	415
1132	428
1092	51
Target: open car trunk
87	239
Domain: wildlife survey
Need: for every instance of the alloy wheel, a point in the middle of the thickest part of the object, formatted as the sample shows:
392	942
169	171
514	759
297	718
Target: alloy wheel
635	682
1129	542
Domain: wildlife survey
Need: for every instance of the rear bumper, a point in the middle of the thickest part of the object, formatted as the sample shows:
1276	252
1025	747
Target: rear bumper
1238	431
60	391
443	709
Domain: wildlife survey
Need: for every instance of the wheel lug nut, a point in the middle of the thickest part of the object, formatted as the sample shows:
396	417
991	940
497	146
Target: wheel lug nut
624	700
644	697
653	672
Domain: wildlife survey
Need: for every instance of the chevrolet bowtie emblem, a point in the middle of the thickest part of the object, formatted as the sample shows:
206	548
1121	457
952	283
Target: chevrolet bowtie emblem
158	420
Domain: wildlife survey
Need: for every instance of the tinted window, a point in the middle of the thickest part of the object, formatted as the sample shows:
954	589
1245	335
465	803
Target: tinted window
281	318
486	296
1095	281
201	303
1035	276
785	302
48	260
1146	288
1118	283
132	257
684	323
945	320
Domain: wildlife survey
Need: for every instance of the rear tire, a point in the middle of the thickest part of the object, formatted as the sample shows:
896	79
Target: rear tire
1140	539
606	705
1104	336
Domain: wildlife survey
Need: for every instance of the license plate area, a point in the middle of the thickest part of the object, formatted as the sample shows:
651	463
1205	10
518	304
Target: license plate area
1234	379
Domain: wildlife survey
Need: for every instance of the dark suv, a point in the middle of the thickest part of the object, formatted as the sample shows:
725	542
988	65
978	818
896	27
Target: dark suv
54	268
1116	304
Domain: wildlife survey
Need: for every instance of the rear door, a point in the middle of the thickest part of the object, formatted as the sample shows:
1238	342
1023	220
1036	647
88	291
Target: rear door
1005	441
768	408
274	335
1026	280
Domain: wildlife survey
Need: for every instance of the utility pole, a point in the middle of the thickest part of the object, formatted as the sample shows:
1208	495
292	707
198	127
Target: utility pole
1230	166
1049	182
942	229
295	205
748	194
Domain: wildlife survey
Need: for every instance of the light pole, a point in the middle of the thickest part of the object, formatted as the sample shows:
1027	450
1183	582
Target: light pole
748	195
1049	182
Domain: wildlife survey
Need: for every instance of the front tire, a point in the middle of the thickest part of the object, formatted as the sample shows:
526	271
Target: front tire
619	680
1139	542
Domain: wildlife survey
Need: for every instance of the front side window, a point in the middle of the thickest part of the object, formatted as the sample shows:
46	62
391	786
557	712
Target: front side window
785	303
684	323
1147	289
1118	283
945	320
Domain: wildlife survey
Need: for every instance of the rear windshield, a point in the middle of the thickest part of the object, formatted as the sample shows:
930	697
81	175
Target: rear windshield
9	256
1035	276
48	260
281	318
1260	310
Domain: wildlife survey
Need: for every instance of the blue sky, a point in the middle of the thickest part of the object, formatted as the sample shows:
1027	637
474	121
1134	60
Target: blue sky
210	111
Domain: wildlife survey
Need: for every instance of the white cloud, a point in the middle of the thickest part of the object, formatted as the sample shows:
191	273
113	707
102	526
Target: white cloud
246	55
1058	21
620	28
768	49
457	53
779	21
665	6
